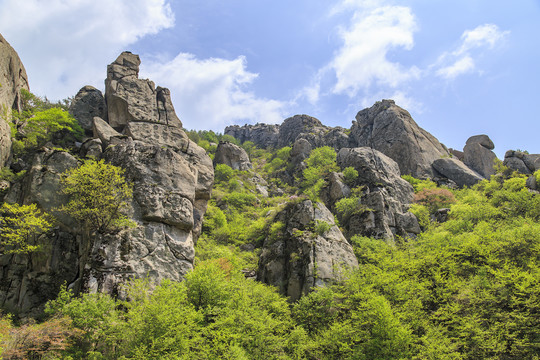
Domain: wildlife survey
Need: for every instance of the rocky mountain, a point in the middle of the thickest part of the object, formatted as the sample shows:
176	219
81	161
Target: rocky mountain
135	127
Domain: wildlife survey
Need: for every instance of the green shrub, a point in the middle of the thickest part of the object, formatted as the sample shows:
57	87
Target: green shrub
99	193
320	162
347	207
223	173
321	227
19	227
350	175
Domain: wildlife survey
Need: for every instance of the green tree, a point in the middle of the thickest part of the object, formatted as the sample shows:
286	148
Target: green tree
99	194
19	225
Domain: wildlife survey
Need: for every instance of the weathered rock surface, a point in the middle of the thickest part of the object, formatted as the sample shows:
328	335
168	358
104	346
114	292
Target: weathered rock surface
262	135
232	155
457	171
172	179
478	156
335	189
87	104
103	131
297	259
13	78
391	130
132	99
28	281
386	194
522	162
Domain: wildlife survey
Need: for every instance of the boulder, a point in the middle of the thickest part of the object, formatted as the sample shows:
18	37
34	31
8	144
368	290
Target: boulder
87	104
457	171
391	130
334	190
13	78
232	155
308	251
386	196
478	156
522	162
103	131
132	99
92	148
262	135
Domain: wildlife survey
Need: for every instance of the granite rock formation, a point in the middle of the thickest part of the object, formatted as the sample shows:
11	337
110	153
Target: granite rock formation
522	162
262	135
478	156
304	254
232	155
172	179
13	78
87	104
457	171
386	195
391	130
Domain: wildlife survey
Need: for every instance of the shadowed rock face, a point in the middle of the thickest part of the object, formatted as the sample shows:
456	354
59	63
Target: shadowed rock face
13	78
386	194
391	130
298	258
87	104
457	171
522	162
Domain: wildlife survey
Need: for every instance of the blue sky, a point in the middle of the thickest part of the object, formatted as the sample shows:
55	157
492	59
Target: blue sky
461	68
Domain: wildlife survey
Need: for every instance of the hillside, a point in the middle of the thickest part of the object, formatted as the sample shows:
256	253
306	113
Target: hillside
125	236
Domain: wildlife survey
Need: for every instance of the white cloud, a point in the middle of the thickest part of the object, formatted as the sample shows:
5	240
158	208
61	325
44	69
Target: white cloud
362	61
474	42
461	66
211	93
363	58
65	44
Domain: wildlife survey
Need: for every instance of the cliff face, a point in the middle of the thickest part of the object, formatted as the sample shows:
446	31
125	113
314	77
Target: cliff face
13	78
172	179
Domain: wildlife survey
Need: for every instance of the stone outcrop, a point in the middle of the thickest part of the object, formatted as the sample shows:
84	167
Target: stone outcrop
457	171
391	130
262	135
308	251
522	162
478	156
130	99
87	104
172	179
13	78
232	155
386	195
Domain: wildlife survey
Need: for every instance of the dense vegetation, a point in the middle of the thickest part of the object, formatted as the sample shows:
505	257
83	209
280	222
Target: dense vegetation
466	288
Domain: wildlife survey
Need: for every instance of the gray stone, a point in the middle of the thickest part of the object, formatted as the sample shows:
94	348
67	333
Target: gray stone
298	259
155	133
391	130
386	196
483	140
478	155
334	190
13	78
262	135
457	171
132	99
87	104
232	155
301	126
522	162
104	131
92	148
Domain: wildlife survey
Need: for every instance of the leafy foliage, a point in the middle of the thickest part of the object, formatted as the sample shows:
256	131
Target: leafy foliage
98	195
19	226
